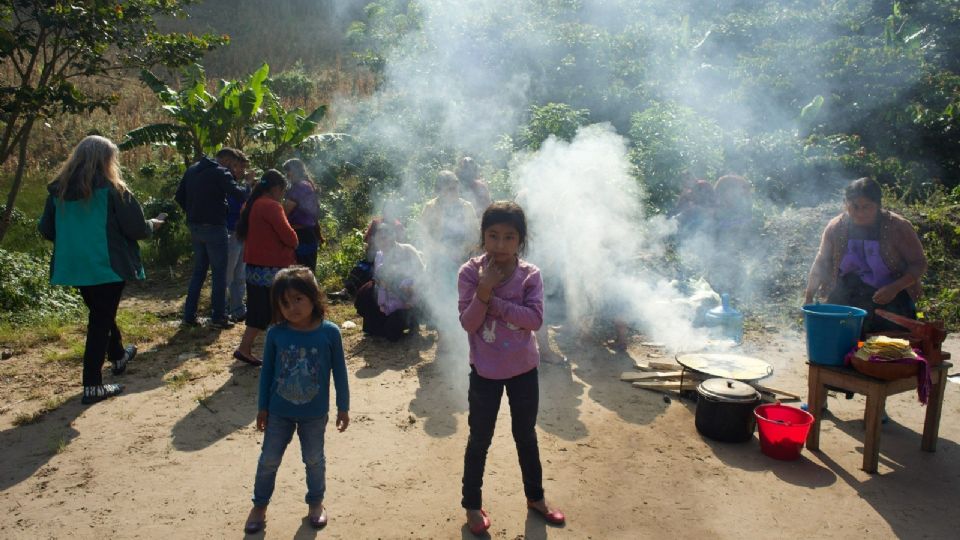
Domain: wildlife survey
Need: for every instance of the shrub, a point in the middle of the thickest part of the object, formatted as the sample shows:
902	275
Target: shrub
22	235
155	187
673	144
557	119
293	83
336	262
25	291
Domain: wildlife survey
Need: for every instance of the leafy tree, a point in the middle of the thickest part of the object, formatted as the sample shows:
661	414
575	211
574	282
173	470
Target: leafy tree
673	143
53	52
284	130
557	119
293	83
202	121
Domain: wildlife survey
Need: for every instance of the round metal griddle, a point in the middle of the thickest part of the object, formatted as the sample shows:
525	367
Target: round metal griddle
728	366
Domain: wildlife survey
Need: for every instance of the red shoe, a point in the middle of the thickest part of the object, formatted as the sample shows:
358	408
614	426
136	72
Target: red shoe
553	517
481	528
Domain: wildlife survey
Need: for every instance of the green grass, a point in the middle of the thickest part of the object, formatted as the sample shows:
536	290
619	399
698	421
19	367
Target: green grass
49	404
73	353
143	326
48	330
59	445
178	380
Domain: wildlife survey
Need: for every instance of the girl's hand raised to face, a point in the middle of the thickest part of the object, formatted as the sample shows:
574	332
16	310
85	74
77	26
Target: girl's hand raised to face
262	420
343	420
490	277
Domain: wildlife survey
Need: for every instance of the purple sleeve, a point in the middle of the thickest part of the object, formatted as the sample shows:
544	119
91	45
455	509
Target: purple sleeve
472	311
529	315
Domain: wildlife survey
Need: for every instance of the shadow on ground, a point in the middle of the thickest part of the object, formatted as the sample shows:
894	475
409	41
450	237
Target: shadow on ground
600	368
913	487
26	448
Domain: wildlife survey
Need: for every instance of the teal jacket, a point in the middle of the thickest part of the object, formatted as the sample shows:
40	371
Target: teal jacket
95	239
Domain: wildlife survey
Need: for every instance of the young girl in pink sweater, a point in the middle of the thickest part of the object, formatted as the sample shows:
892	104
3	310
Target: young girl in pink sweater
501	306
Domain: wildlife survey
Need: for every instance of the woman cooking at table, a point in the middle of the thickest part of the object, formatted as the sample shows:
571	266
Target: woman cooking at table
869	258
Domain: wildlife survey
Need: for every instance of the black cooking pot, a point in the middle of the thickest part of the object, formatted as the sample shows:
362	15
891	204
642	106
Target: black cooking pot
725	410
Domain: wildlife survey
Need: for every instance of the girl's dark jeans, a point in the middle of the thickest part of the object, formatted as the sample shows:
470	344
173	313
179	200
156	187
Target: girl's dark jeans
103	336
523	394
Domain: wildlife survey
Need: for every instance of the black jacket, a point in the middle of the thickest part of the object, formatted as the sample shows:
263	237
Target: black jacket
203	192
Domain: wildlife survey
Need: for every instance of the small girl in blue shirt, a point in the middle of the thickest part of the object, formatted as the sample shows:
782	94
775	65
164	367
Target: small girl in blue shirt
300	353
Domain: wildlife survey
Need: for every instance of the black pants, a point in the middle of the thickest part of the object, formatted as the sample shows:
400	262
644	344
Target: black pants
375	323
523	393
103	336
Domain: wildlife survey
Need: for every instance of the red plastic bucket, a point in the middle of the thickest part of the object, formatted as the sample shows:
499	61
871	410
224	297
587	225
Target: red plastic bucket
783	430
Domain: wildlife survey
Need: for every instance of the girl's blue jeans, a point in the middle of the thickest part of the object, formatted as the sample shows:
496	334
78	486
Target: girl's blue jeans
277	436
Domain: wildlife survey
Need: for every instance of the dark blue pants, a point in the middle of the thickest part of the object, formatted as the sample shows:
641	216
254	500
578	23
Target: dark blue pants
523	394
209	251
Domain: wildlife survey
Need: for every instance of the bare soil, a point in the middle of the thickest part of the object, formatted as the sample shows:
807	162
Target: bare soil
175	455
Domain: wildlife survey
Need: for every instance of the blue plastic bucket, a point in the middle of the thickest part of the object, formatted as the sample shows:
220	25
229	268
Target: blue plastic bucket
832	331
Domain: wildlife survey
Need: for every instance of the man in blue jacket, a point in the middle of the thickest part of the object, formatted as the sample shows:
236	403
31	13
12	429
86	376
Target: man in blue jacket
202	194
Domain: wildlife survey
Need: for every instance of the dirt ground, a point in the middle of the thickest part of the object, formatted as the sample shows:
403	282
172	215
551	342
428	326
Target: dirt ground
175	455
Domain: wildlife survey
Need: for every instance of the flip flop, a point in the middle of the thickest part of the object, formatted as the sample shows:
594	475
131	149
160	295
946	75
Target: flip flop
319	522
482	527
253	527
252	360
554	517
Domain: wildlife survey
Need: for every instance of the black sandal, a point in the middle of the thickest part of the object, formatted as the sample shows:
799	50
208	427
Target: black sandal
121	365
94	394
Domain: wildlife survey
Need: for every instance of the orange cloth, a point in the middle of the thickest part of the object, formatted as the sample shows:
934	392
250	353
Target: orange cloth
270	238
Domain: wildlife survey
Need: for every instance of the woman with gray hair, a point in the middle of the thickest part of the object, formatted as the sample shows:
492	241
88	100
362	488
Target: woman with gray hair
94	222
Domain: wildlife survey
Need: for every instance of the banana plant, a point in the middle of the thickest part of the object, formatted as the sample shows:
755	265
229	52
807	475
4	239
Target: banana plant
282	131
202	122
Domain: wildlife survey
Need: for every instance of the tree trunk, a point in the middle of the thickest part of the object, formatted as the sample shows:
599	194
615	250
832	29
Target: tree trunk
17	180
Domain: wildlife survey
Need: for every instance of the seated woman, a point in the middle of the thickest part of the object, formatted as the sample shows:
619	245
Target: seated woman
362	271
869	258
387	302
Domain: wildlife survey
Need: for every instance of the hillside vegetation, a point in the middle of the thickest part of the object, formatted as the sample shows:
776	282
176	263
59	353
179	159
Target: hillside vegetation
798	96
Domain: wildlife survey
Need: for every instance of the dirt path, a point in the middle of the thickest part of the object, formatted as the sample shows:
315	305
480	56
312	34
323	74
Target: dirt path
175	456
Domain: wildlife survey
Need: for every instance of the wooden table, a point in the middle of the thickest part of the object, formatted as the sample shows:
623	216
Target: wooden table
876	390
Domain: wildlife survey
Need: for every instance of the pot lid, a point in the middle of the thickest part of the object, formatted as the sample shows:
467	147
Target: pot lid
728	390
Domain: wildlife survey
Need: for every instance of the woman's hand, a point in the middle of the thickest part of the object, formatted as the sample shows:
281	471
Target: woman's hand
886	294
343	420
262	420
158	221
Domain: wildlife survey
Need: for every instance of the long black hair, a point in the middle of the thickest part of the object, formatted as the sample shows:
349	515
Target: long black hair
270	179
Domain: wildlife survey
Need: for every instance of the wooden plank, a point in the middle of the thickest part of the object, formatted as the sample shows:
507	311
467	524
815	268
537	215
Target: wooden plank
777	392
644	365
634	376
666	385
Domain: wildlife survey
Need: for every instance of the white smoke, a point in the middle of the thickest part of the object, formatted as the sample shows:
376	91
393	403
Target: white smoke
589	233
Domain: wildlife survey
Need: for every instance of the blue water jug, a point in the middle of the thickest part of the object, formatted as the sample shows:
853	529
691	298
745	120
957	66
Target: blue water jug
728	320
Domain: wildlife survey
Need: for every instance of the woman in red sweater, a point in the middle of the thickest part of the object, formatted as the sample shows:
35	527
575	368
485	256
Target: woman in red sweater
268	247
